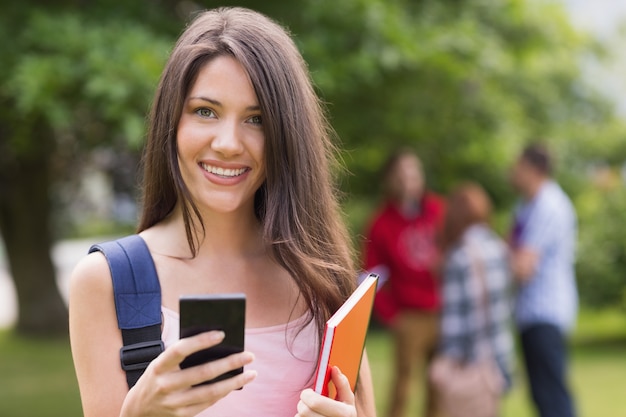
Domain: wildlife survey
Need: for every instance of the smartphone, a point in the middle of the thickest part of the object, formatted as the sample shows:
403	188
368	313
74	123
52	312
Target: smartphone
203	313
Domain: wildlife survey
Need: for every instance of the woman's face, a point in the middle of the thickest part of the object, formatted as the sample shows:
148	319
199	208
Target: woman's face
406	180
220	138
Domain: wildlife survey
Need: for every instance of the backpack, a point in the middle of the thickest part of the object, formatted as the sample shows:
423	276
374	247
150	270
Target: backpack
137	295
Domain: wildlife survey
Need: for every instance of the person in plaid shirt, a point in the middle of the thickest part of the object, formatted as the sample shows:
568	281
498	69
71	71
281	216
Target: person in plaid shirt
472	250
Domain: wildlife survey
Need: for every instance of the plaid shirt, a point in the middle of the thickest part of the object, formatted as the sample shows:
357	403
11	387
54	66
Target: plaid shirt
467	333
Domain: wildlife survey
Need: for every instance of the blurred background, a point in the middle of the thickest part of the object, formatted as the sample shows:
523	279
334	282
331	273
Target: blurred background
466	83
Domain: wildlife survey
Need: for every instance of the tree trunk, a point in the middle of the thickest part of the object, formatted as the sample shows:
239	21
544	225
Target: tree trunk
25	226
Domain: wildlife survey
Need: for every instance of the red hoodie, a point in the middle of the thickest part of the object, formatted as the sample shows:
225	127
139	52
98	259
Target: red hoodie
407	248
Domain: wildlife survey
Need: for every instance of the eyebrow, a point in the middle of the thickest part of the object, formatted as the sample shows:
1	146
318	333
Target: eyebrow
219	104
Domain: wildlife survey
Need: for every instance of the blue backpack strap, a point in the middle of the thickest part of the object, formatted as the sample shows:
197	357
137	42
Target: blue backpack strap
137	294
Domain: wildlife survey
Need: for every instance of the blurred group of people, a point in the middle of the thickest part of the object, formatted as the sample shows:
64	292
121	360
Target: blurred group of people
454	287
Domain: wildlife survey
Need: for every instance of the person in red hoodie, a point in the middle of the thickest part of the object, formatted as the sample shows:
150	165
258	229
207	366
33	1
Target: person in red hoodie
402	246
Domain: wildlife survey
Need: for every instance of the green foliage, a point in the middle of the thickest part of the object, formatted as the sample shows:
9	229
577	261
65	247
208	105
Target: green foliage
90	80
465	85
602	248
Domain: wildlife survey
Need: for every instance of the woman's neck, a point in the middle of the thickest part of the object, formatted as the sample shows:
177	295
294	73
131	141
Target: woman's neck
225	234
409	206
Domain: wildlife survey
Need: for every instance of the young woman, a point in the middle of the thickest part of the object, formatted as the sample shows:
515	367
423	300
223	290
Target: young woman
402	242
237	197
476	308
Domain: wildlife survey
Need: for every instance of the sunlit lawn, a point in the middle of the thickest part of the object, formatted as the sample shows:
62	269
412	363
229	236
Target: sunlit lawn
37	377
598	378
598	370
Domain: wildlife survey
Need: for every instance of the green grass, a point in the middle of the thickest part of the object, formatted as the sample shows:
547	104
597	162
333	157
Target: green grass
37	376
598	370
598	376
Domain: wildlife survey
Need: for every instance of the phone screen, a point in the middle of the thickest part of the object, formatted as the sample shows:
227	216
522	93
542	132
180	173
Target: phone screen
203	313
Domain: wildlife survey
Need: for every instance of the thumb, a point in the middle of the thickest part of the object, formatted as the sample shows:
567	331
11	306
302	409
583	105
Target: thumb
342	384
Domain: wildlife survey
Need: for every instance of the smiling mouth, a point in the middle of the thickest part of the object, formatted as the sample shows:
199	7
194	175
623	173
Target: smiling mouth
224	173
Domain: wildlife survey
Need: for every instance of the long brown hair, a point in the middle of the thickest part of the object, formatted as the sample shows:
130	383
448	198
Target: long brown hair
297	204
468	204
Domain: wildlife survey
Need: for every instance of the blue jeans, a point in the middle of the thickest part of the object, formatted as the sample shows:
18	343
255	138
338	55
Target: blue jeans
545	357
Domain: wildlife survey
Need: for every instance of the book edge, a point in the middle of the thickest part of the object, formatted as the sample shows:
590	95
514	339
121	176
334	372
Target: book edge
327	343
336	318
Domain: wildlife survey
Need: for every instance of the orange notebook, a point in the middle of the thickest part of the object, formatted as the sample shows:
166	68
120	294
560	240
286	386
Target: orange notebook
344	338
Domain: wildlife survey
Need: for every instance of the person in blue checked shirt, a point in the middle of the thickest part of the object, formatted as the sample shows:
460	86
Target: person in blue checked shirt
543	243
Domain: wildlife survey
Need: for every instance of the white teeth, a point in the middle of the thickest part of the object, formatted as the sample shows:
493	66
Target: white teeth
223	172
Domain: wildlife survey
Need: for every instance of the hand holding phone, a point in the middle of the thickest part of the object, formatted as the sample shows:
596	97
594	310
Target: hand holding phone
203	313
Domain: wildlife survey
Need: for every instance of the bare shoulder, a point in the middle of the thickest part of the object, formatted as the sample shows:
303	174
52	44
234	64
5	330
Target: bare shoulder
91	295
91	276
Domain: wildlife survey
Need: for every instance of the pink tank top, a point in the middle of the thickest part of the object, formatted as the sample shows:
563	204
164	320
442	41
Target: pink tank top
285	361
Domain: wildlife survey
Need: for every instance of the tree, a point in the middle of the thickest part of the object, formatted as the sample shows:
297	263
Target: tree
466	83
69	82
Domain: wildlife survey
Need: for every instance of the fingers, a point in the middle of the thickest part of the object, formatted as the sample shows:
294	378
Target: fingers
309	404
172	357
168	363
192	400
165	389
201	397
313	404
210	370
344	392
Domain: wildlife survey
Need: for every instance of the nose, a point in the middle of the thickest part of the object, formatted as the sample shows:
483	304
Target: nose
228	140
